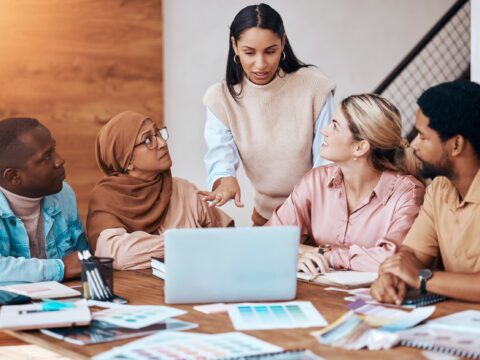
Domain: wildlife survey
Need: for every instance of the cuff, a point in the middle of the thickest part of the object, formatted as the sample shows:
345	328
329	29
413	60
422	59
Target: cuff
214	177
340	258
54	270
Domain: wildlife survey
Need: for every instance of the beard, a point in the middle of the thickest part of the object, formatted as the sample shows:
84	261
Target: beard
430	171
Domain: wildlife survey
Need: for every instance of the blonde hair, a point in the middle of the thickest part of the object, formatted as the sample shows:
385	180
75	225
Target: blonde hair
375	119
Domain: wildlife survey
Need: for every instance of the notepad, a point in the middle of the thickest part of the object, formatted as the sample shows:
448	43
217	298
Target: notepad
43	290
31	316
348	279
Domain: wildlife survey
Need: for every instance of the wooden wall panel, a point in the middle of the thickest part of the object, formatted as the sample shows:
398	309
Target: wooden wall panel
73	64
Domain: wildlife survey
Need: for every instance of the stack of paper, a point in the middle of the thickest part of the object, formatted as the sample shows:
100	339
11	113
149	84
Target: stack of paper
373	326
42	290
158	267
177	345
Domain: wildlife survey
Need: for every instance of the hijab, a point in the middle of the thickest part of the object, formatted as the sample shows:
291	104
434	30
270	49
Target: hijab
119	200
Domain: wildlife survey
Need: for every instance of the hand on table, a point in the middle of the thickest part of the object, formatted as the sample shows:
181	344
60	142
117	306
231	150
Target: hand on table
311	262
389	289
72	266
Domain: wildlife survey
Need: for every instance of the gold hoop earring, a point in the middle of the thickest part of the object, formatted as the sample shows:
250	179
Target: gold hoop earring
236	59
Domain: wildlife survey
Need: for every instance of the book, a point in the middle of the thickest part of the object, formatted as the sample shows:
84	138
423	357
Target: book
346	279
33	316
43	290
158	267
100	332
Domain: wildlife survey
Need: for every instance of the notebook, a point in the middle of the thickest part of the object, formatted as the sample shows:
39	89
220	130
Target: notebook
346	279
442	340
416	299
31	316
43	290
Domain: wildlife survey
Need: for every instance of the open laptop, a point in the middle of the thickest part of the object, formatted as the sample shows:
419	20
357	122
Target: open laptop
231	264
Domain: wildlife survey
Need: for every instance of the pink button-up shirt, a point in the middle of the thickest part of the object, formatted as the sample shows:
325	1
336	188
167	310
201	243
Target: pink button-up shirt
363	239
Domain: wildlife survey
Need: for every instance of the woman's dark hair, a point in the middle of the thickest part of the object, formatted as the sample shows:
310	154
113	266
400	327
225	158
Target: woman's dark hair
264	17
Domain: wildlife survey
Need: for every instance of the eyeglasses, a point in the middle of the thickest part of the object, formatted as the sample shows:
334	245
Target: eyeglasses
151	141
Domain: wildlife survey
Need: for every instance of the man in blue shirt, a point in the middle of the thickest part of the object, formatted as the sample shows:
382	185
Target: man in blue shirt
40	228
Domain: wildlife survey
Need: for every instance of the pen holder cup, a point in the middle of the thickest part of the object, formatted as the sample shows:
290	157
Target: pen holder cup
96	271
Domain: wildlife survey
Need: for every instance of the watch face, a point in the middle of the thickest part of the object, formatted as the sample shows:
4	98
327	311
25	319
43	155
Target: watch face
425	274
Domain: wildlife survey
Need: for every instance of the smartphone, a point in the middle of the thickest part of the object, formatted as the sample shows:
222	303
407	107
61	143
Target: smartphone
9	298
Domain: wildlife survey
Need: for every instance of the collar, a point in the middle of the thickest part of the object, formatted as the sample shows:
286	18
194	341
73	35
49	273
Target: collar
473	194
50	206
21	205
383	190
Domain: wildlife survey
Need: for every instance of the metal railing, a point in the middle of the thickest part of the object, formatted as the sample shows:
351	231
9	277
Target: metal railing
443	54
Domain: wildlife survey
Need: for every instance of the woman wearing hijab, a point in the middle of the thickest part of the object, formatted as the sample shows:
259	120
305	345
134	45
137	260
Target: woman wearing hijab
137	199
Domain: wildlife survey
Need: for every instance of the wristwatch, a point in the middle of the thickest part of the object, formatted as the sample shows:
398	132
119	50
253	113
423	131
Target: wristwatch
324	249
424	275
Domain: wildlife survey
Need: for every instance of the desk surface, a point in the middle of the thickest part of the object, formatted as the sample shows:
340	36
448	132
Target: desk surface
142	288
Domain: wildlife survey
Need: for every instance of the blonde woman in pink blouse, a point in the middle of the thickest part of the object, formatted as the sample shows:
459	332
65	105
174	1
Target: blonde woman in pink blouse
356	211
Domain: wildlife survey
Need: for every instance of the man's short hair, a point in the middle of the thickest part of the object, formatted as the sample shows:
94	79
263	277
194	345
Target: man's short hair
13	152
453	108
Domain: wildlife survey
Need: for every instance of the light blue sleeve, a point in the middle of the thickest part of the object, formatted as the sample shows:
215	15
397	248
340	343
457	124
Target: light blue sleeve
30	270
222	158
323	120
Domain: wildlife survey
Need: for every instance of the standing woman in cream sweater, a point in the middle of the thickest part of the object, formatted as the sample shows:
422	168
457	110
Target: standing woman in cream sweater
268	112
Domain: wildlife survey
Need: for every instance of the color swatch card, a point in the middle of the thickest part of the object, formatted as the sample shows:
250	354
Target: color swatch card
289	315
177	345
137	317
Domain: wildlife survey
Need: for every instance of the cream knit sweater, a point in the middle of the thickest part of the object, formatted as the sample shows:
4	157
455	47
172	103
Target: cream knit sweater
273	128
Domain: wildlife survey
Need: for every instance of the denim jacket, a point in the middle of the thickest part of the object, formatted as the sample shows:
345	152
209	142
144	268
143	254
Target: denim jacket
64	234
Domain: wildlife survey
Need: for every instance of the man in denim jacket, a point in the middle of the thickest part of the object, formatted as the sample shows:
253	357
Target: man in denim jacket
40	228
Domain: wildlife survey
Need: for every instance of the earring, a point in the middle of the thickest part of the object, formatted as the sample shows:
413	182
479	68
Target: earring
130	167
355	158
284	56
236	59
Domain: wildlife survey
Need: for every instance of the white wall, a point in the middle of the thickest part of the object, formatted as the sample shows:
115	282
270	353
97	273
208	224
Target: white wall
475	39
356	43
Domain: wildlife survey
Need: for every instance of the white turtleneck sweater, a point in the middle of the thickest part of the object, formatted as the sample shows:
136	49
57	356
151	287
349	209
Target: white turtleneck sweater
29	211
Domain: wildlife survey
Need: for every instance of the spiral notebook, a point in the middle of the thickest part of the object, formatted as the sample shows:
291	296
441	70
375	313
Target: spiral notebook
442	340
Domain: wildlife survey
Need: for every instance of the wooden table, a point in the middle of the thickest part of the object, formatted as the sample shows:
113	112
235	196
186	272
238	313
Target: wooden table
140	287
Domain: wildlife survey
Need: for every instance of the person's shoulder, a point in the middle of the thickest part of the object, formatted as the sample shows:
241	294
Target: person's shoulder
183	186
440	185
65	200
408	181
321	175
215	92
